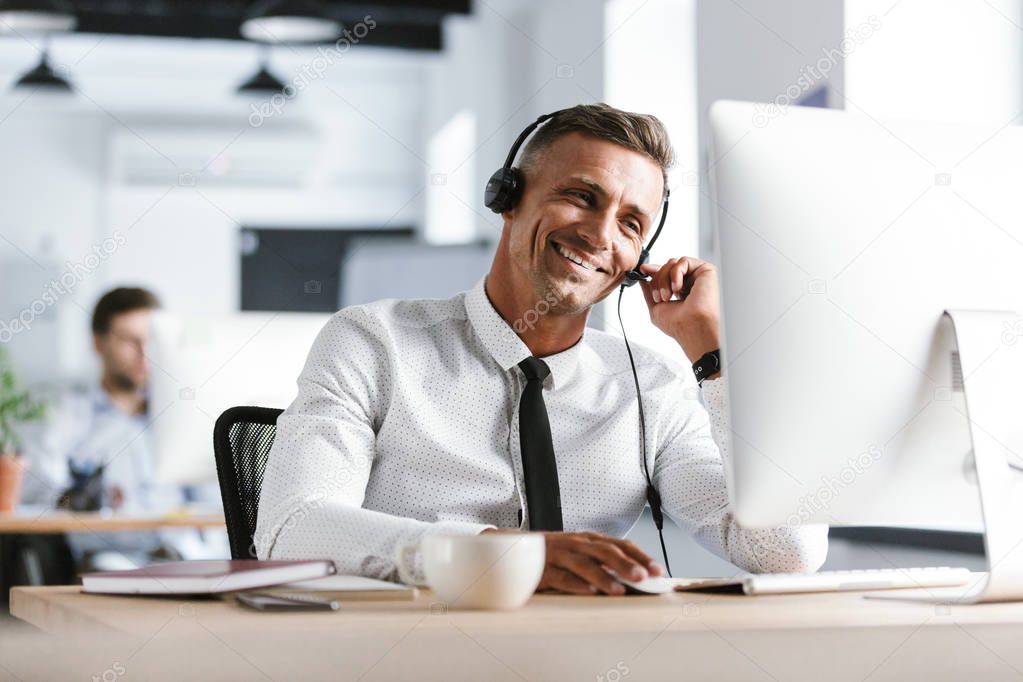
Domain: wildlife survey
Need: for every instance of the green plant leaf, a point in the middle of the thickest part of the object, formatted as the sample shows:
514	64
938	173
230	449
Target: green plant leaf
17	406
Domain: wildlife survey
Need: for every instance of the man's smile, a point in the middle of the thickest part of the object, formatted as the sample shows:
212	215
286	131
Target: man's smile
578	259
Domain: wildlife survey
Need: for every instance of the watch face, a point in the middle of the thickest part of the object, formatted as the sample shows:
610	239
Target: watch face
708	364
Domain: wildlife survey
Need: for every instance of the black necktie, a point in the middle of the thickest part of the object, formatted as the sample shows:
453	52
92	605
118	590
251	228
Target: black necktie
539	468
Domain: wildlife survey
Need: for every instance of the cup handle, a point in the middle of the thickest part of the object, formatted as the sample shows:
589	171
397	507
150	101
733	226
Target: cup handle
405	558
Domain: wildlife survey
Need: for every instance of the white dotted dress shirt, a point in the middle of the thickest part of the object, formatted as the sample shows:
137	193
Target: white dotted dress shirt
406	424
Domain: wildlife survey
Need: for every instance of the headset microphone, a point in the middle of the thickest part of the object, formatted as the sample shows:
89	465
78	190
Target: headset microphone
501	194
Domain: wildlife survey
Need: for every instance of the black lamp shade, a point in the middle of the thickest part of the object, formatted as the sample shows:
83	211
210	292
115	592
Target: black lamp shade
262	83
42	75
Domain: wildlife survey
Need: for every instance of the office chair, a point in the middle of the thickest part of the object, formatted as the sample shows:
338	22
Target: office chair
242	438
34	560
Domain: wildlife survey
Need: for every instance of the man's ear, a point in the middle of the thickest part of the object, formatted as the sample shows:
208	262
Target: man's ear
507	218
97	342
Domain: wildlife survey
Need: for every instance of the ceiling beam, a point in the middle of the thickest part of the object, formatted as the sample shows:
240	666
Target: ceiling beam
385	34
408	24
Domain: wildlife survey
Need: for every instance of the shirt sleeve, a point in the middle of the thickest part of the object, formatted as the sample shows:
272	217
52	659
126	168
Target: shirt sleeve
315	482
689	473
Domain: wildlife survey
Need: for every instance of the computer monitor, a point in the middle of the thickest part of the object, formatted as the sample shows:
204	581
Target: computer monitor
200	365
842	239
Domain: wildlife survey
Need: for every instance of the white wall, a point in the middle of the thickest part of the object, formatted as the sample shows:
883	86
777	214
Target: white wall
456	114
958	60
141	103
52	215
650	57
755	51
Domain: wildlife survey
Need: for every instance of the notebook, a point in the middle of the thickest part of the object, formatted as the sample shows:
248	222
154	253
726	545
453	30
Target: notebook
204	577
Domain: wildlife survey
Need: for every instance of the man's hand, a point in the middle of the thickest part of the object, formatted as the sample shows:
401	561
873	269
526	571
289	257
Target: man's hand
575	563
116	497
682	296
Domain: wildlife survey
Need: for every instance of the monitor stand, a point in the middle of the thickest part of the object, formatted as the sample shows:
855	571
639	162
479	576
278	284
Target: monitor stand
990	345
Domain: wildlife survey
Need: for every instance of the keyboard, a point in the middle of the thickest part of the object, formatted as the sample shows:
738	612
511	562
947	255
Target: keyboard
834	581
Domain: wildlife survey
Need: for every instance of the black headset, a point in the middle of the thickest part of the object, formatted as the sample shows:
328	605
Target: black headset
501	194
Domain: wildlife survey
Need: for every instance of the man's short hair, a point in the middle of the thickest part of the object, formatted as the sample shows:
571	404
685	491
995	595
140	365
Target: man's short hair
118	301
641	133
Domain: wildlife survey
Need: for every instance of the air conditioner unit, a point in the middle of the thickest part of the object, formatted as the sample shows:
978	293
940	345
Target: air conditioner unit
203	153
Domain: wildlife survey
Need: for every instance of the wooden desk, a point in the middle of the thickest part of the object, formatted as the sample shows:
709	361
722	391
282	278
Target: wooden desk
97	522
56	522
679	636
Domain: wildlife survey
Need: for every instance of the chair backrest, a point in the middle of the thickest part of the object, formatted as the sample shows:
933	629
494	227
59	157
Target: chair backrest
242	438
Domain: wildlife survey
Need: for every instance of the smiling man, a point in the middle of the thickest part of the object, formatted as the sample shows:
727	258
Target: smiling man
498	410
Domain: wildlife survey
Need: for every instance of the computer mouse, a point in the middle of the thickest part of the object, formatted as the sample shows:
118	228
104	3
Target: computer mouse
657	584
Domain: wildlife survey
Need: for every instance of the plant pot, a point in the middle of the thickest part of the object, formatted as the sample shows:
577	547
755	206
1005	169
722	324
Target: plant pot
12	471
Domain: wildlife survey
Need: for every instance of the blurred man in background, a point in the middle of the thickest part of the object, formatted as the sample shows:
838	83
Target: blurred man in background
95	451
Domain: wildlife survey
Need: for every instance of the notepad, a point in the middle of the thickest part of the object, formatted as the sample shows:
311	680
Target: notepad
349	588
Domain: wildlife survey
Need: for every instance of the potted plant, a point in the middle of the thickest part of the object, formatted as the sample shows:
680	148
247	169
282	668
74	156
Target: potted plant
17	406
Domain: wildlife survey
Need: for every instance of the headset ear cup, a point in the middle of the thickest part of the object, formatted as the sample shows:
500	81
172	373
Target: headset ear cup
503	189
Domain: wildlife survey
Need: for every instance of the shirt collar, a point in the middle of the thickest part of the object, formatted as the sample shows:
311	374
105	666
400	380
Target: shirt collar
101	402
505	346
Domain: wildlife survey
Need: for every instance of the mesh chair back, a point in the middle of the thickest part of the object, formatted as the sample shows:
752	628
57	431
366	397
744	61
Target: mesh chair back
242	438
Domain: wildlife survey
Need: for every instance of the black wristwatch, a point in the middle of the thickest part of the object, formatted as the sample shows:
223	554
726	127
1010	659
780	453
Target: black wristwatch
708	364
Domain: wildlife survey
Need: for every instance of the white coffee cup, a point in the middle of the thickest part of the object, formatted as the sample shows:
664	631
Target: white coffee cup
489	571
